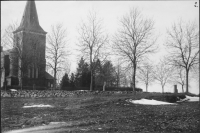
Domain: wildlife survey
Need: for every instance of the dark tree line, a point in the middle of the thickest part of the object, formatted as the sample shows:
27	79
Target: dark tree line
104	72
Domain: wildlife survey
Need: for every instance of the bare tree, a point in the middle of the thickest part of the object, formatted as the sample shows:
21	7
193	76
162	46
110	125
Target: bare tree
183	43
134	40
179	77
145	74
163	73
92	41
56	52
7	38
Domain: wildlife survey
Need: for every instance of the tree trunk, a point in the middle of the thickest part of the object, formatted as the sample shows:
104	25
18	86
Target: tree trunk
1	50
162	88
182	88
91	70
146	87
91	81
117	81
134	73
21	85
104	86
21	81
187	81
54	83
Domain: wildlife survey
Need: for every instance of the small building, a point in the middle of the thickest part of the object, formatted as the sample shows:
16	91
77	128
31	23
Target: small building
25	63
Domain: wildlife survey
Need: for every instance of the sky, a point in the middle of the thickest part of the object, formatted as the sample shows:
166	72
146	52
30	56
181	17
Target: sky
72	13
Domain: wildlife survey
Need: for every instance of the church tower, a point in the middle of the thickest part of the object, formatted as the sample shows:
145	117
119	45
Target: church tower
29	49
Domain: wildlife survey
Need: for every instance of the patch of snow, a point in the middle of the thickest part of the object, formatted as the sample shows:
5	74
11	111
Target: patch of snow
84	129
189	99
183	100
57	123
149	102
118	92
37	106
13	90
192	99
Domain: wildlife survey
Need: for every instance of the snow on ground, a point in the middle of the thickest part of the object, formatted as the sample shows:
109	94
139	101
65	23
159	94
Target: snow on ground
38	105
13	90
149	102
192	99
57	123
189	99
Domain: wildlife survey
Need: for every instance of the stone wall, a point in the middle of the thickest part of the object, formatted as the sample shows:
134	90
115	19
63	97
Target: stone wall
55	93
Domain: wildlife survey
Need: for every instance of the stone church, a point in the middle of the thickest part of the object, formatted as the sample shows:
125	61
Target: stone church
25	63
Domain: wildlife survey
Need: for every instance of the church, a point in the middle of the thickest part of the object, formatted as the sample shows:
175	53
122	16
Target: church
25	64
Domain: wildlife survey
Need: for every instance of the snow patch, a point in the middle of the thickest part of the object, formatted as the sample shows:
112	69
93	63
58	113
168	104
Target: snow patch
82	90
51	123
189	99
13	90
37	106
149	102
192	99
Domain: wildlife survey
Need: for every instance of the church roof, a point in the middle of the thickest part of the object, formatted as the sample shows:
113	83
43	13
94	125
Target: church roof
30	20
48	76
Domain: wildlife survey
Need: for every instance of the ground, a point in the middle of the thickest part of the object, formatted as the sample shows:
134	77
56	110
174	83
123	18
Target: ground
99	113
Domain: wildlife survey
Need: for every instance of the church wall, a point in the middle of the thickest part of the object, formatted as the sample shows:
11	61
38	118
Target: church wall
34	50
13	57
32	46
6	65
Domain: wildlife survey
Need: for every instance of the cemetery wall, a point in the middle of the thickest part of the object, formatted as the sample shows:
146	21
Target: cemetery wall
55	93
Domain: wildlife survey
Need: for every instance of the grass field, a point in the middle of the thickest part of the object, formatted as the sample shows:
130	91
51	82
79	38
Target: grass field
101	113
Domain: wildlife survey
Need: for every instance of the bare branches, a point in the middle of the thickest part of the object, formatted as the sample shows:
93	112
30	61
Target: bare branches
146	74
8	37
180	77
92	41
56	53
134	40
183	43
163	73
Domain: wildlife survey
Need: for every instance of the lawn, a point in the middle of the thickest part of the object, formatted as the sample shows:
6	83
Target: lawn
100	113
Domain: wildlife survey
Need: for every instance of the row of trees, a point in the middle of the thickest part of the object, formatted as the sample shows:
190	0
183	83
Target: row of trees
102	72
132	44
162	73
135	40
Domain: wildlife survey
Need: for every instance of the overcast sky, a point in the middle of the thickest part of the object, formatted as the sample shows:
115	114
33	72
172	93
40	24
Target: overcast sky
71	13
